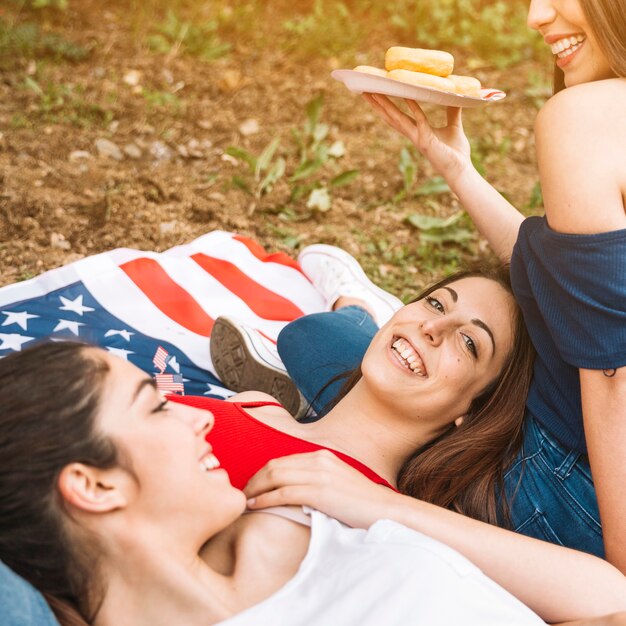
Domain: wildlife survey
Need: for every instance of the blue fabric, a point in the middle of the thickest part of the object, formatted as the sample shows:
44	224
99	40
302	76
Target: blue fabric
551	493
20	603
317	347
572	291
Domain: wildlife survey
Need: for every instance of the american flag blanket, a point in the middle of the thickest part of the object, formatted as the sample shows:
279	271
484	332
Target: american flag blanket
157	309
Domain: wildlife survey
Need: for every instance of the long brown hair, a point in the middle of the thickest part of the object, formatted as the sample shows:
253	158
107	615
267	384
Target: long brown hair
41	431
463	468
607	18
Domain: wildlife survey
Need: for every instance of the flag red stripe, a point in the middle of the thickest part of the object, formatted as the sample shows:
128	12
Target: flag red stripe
168	296
265	303
275	257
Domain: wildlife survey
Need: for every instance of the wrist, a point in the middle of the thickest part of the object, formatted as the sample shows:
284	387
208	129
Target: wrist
405	510
465	176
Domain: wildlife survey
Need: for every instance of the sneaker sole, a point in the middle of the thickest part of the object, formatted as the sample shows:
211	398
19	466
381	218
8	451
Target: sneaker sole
239	369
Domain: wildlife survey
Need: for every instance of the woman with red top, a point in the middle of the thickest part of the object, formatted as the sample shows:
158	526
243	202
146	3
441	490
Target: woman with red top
114	505
435	409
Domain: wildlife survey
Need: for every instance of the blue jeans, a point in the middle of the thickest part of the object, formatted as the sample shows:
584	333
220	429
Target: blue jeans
549	488
20	603
313	363
552	494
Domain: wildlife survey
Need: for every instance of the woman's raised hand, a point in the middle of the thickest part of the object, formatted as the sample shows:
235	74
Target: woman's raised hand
447	148
322	481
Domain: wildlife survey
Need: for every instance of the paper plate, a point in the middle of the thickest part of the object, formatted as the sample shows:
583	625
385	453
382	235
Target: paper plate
360	82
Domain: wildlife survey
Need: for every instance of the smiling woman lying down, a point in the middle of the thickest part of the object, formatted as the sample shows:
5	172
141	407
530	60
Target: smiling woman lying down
114	504
115	507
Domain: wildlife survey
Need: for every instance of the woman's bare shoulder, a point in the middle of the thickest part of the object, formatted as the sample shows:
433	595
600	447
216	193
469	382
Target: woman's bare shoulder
581	145
598	102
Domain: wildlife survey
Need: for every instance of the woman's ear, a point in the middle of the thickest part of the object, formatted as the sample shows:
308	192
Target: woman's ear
459	420
91	489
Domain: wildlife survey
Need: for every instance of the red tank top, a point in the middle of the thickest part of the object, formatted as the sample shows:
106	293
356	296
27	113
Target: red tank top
244	445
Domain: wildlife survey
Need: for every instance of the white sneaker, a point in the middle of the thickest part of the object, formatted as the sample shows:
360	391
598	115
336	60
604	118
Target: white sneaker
335	273
244	360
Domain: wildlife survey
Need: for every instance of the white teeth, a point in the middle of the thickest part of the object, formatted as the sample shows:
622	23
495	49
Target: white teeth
408	356
209	462
567	45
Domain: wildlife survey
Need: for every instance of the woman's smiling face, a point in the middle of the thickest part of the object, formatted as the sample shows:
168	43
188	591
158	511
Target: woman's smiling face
565	29
437	354
177	479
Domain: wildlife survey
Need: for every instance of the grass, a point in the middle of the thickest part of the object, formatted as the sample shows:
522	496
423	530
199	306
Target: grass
298	184
65	103
328	30
175	36
26	39
163	101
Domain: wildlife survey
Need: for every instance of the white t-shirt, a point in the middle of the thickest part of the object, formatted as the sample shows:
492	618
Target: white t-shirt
388	575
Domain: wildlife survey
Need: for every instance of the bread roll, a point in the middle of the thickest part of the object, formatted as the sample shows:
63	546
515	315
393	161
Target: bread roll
368	69
422	80
466	85
435	62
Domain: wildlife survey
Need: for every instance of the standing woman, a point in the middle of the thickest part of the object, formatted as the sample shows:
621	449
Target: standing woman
568	273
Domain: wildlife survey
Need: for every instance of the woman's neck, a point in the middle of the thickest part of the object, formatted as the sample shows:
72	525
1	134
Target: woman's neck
370	431
154	587
150	584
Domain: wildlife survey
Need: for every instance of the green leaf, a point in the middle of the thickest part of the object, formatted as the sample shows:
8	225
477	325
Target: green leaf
408	169
159	43
425	222
265	158
433	186
320	152
300	143
345	178
215	51
275	173
299	191
291	241
239	183
319	199
33	85
452	235
306	169
242	155
320	133
313	112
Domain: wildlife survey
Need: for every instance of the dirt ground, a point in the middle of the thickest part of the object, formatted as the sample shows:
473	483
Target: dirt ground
173	119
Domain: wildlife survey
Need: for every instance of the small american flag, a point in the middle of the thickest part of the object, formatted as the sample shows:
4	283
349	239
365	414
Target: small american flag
170	383
160	359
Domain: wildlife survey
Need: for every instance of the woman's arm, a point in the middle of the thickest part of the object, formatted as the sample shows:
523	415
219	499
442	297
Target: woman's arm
557	583
448	150
604	413
581	146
